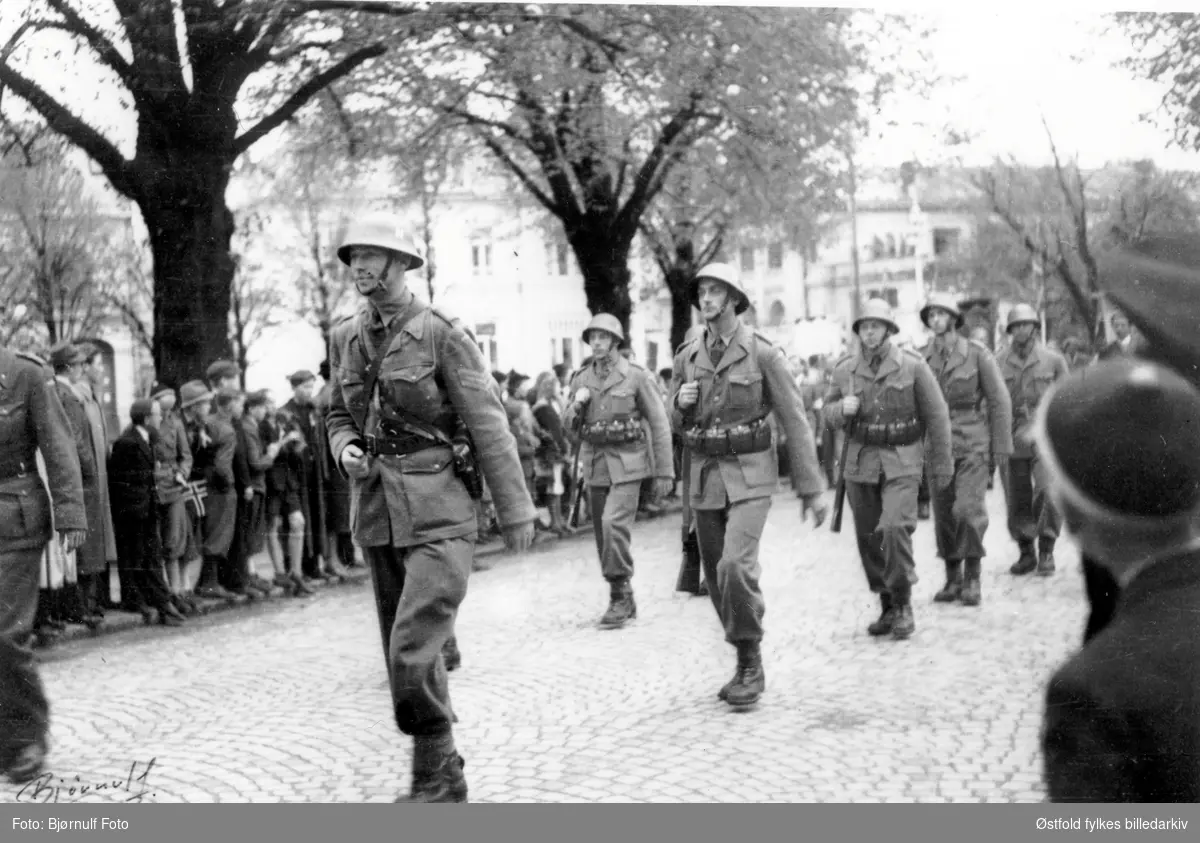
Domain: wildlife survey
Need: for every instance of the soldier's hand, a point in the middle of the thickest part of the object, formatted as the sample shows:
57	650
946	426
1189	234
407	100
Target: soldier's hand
72	539
248	494
941	482
689	394
817	506
355	462
582	395
850	406
663	486
518	537
273	450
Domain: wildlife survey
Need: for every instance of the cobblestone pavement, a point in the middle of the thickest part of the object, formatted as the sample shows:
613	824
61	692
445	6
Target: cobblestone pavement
288	702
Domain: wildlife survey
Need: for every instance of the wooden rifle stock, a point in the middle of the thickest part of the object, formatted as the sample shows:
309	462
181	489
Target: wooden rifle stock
688	579
839	497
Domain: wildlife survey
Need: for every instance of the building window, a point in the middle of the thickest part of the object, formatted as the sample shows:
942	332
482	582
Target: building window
747	259
481	258
568	352
775	256
891	245
777	315
652	356
564	259
945	241
888	294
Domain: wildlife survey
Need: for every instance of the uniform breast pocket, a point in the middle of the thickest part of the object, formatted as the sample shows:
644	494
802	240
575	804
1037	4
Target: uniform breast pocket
745	389
412	386
351	383
623	400
12	421
897	394
24	515
962	386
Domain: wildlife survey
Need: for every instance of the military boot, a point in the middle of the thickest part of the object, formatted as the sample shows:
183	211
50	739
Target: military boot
883	626
904	624
621	608
437	771
451	654
1026	563
971	591
750	681
954	584
1045	563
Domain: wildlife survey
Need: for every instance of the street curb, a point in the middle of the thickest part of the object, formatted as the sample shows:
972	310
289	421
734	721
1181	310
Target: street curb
117	621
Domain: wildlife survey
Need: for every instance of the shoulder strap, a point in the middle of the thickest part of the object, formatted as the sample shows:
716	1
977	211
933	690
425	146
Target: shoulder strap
372	376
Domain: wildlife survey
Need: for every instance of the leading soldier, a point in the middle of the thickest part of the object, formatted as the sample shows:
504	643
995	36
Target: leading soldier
611	398
412	419
889	400
1029	369
32	420
981	426
726	382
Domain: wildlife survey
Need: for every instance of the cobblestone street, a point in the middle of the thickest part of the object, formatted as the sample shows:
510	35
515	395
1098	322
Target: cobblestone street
288	702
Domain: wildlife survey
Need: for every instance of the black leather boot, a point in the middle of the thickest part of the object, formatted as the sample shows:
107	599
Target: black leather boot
1045	563
1026	563
451	654
883	625
972	593
750	681
437	771
904	624
953	588
621	608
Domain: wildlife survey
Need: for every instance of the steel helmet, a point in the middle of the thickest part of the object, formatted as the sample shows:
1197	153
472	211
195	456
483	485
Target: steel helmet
877	309
942	301
1020	314
384	231
605	322
726	274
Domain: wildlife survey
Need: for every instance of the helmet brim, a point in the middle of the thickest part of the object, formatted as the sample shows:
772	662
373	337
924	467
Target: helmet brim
343	253
929	308
741	300
892	325
1020	322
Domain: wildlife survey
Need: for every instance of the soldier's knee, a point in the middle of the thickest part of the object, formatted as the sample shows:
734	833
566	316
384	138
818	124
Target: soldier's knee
296	520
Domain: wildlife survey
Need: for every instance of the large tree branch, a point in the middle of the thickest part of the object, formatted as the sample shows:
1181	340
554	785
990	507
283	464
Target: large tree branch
119	171
524	177
303	94
104	48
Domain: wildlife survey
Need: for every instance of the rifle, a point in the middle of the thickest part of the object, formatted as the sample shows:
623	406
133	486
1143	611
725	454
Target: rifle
689	567
839	497
576	488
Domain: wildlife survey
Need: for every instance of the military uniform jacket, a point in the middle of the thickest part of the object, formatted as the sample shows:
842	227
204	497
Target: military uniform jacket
1121	720
627	391
980	407
903	386
751	381
435	371
32	419
1027	381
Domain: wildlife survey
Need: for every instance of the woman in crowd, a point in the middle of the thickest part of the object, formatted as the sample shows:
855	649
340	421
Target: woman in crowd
552	452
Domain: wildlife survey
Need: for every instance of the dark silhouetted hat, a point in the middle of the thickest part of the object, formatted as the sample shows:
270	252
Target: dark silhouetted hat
302	376
66	354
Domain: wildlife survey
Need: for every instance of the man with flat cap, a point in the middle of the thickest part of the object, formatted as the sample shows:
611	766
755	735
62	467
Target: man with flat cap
1029	368
727	381
414	422
32	422
1121	720
223	374
981	427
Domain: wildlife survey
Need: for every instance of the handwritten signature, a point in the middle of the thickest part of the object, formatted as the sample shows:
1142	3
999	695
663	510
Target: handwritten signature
135	787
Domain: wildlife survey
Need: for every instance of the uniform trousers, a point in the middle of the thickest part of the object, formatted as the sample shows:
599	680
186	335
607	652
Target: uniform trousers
885	516
418	590
729	540
24	710
614	510
960	516
1031	515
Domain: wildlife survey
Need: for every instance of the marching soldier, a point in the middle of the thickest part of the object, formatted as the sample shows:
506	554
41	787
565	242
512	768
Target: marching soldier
981	426
32	420
412	420
890	402
726	382
1029	368
1121	448
611	397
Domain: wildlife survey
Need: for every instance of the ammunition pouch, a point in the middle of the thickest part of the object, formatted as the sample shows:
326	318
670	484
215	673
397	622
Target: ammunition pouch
613	432
466	467
890	434
749	438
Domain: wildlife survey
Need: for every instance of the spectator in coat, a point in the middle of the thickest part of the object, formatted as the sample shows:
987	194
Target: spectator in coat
101	539
340	542
239	575
304	412
195	403
290	503
133	477
1121	720
552	453
174	467
77	601
220	516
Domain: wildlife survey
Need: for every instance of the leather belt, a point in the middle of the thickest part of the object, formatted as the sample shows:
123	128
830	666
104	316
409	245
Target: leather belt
399	446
